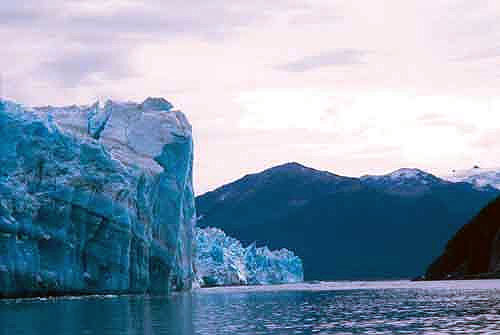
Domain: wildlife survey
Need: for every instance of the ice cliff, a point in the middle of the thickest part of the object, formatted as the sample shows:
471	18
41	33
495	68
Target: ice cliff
222	260
95	199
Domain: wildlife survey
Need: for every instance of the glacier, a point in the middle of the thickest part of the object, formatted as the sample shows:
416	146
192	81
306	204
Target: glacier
95	199
221	260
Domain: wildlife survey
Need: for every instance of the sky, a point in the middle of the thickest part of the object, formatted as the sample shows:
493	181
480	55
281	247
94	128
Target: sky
353	87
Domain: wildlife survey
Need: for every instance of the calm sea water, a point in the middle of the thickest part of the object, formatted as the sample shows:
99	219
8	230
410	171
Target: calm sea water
453	307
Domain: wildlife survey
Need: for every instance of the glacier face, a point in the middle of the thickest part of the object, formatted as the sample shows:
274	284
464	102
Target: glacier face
221	260
95	199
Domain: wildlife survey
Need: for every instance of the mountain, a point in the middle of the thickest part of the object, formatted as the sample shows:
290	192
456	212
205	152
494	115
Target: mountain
341	227
95	200
403	182
477	176
474	251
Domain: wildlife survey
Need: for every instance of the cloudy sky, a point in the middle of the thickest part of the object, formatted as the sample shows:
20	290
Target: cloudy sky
354	87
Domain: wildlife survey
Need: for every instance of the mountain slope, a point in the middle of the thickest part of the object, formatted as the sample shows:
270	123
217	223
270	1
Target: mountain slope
345	228
270	195
474	251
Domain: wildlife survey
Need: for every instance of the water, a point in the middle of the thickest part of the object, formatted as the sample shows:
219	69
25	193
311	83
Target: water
453	307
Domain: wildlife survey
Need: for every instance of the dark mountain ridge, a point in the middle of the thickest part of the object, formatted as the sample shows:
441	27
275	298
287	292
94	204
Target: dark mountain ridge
474	251
372	227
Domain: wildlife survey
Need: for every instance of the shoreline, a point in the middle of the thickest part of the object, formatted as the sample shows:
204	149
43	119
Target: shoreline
302	286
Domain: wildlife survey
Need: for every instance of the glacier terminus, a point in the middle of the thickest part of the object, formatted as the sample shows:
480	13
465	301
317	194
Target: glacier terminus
95	199
221	260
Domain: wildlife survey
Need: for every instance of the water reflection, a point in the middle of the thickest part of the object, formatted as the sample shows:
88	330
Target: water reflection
97	315
451	309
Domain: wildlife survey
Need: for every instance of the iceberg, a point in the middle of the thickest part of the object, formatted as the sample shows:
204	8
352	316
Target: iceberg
95	199
221	260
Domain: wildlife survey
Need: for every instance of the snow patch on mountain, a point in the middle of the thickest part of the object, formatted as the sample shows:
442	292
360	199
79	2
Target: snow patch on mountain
480	177
403	175
404	181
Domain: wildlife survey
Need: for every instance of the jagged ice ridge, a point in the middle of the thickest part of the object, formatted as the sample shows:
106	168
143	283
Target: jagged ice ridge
221	260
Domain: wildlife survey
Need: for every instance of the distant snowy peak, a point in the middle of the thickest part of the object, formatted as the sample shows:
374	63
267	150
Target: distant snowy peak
403	176
477	176
410	182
